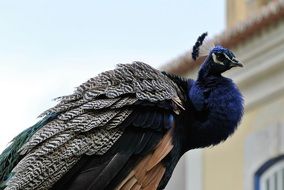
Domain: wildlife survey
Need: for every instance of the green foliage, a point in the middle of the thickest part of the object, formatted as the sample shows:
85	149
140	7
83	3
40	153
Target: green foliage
11	156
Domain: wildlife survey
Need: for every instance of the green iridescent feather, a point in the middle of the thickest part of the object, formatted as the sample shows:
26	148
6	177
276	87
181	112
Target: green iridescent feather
11	156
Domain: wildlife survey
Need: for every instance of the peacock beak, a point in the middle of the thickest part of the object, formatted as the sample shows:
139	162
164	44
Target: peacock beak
236	63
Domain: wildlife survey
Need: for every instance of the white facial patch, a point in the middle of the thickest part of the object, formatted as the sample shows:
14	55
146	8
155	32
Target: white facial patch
216	60
233	60
227	57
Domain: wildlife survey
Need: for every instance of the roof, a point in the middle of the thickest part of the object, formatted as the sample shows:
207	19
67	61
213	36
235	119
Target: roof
231	38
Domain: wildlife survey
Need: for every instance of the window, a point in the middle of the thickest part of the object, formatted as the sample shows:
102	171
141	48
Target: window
270	176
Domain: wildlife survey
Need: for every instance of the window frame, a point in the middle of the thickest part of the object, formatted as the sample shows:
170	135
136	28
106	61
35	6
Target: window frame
263	169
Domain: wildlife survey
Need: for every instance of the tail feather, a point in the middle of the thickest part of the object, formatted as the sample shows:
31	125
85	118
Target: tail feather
11	156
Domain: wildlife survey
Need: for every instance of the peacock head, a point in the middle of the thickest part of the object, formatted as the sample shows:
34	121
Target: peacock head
219	59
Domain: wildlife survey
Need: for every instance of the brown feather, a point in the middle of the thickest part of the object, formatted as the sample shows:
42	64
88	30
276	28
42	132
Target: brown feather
158	174
130	175
130	183
151	175
136	187
163	148
148	173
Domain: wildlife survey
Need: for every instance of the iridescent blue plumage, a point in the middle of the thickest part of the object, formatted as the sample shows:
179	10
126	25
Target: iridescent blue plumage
216	101
221	49
218	107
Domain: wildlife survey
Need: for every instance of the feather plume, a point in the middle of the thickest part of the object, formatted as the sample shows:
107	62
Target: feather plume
202	47
206	47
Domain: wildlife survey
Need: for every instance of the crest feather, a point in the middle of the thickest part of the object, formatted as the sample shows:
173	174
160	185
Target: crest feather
206	47
202	46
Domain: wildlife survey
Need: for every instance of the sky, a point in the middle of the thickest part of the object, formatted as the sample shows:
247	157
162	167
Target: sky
48	47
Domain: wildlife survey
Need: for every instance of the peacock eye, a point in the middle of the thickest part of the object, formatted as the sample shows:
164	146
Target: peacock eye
221	57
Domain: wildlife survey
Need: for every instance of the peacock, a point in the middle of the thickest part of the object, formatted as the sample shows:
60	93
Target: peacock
127	128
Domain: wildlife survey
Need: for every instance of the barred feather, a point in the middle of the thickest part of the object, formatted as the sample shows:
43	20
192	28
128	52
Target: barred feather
57	156
11	156
100	104
87	122
137	78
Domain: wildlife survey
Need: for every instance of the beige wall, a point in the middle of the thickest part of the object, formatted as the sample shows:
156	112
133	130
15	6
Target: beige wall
239	10
236	11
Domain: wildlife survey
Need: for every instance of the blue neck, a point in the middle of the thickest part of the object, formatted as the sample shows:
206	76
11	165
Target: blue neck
204	69
218	110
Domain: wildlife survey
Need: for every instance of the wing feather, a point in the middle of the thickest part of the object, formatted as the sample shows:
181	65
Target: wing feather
138	78
148	173
89	123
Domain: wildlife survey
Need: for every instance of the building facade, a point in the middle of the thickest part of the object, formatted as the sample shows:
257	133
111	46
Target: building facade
253	158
